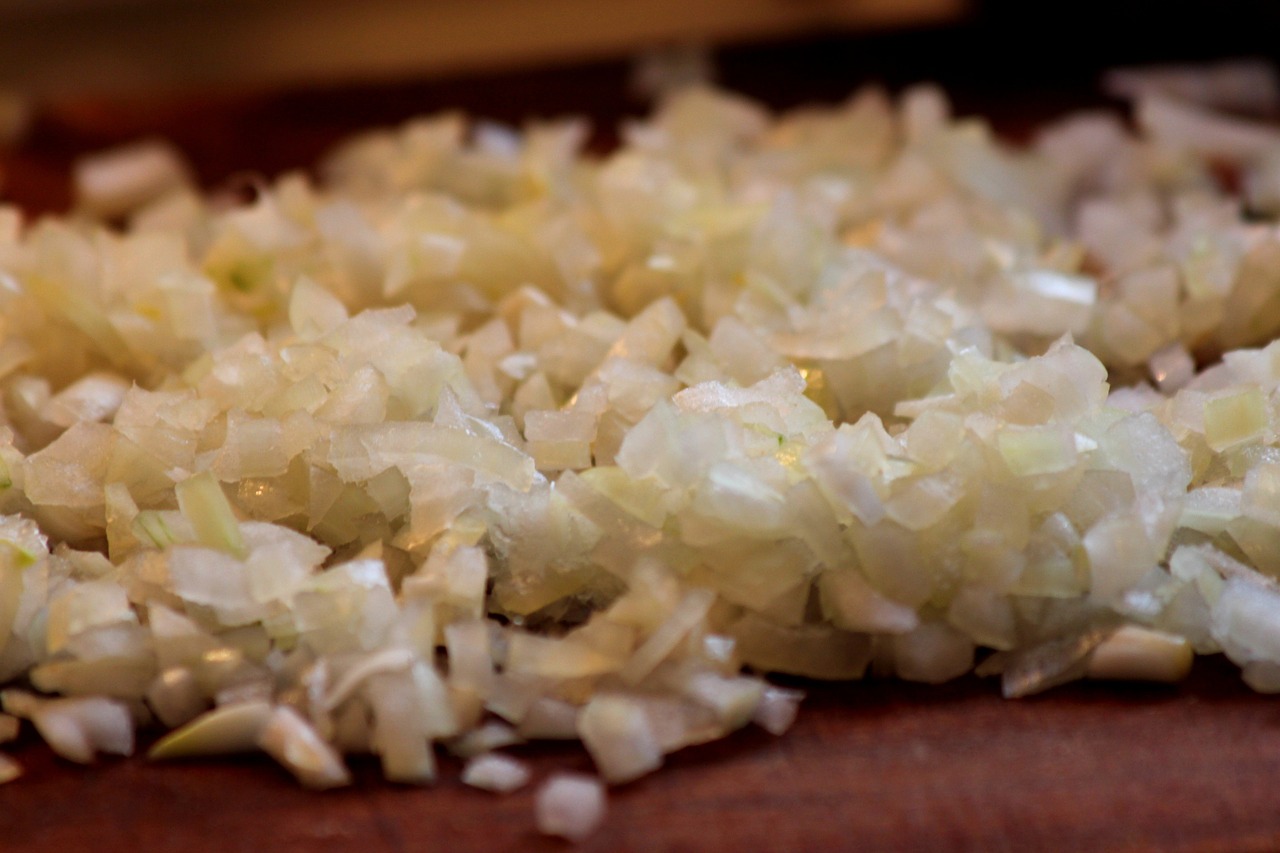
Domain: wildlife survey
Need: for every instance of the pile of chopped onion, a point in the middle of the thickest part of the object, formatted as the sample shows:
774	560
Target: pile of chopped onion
481	440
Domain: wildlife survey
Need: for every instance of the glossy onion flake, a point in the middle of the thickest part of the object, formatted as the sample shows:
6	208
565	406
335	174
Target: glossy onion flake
480	439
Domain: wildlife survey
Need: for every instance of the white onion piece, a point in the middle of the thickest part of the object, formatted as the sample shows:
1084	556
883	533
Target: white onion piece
549	718
1050	664
470	655
94	397
690	612
204	505
569	805
1246	620
174	697
777	709
225	730
492	771
290	740
387	660
1241	84
615	730
1185	125
1140	654
78	729
485	738
853	604
115	182
932	653
401	733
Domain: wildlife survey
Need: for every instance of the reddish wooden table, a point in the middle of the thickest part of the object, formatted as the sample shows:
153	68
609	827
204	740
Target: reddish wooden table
870	766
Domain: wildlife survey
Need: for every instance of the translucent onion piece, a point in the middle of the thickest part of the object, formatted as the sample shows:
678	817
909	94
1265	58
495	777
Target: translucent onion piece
290	740
225	730
117	181
616	732
1140	654
570	806
492	771
778	709
77	729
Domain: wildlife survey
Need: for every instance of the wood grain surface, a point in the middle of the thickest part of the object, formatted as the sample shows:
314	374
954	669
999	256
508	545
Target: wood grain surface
868	766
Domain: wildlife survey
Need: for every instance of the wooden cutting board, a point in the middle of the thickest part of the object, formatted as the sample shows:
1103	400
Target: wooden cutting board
868	766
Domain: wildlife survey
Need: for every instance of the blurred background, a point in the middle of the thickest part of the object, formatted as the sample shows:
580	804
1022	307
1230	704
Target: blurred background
270	84
62	47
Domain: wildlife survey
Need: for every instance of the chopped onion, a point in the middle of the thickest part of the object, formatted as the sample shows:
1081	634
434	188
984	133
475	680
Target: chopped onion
492	771
76	729
289	739
777	709
225	730
118	181
480	426
571	806
1140	654
615	730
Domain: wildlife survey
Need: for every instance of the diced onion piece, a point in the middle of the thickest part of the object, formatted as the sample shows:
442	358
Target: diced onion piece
549	718
387	660
1245	620
1235	418
175	697
489	736
571	806
204	504
94	397
853	604
1210	509
1140	654
114	182
401	734
1049	664
1037	450
78	729
495	772
690	612
615	730
550	658
225	730
559	440
1185	125
1260	498
732	699
1119	556
777	709
9	769
1171	367
932	653
86	606
291	740
470	655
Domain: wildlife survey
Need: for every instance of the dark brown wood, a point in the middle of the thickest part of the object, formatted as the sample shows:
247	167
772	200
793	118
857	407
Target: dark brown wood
870	766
